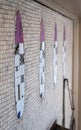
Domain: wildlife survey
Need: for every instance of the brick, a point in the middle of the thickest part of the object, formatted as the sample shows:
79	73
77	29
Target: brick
38	113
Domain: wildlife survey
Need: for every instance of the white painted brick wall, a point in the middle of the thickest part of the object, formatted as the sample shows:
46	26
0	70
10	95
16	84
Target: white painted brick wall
39	114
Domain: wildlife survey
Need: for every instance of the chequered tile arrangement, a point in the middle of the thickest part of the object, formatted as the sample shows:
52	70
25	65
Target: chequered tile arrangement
19	83
42	68
55	63
64	58
55	55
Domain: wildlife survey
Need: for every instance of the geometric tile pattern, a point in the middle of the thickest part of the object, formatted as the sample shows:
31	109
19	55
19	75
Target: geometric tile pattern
19	66
55	55
19	83
42	68
64	52
55	63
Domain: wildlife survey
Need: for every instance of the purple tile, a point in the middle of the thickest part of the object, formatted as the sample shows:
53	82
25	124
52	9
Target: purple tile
19	30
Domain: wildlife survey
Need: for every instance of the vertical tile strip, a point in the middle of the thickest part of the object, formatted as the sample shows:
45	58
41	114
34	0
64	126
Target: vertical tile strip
55	55
42	59
19	66
64	75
